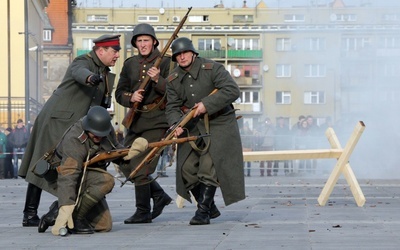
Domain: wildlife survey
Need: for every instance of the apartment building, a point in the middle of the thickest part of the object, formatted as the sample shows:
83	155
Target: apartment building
327	60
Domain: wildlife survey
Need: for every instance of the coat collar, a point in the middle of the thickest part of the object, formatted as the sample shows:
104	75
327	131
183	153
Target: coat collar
194	70
154	54
98	62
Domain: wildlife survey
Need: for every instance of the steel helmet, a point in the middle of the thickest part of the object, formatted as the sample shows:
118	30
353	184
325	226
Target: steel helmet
180	45
97	121
143	29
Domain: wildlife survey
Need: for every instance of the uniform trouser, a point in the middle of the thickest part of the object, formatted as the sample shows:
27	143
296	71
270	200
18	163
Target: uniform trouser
197	168
97	184
142	175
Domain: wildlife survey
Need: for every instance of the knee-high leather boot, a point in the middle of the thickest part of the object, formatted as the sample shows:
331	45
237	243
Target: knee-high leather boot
49	218
143	208
160	199
31	219
202	215
214	212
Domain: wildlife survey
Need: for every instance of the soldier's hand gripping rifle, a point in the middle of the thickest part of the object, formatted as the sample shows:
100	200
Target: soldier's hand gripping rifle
128	119
139	145
169	135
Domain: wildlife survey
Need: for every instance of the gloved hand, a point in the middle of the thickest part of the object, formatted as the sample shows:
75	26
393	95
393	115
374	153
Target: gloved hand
64	219
138	146
95	79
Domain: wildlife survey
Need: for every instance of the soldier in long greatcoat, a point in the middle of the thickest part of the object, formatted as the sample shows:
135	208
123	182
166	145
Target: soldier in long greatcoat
87	82
217	160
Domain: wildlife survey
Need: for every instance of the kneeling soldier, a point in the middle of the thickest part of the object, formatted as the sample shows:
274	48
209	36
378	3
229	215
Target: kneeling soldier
81	190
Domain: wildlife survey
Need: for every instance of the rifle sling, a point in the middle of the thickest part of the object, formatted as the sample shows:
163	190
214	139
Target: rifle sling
207	140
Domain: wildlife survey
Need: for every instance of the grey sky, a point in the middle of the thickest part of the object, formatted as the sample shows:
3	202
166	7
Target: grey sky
227	3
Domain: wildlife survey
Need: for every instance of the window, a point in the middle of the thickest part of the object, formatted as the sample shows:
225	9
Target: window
346	17
283	97
46	70
390	42
391	70
243	43
283	44
283	70
47	35
87	43
249	97
198	19
150	19
391	17
97	18
209	44
315	70
314	97
243	18
294	18
355	43
315	44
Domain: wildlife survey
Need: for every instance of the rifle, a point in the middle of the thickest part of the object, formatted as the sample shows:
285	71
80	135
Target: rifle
118	153
169	135
128	119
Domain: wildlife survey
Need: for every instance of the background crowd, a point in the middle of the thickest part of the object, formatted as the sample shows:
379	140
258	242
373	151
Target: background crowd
269	136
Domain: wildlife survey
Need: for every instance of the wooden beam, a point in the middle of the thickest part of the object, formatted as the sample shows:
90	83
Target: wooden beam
292	154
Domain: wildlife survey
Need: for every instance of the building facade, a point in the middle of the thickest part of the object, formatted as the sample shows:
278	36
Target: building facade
322	61
20	95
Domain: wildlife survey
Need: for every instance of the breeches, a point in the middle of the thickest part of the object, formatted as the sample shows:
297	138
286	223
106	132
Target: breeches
199	168
97	184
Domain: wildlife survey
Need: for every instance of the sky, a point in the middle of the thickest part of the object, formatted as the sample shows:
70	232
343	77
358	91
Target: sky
227	3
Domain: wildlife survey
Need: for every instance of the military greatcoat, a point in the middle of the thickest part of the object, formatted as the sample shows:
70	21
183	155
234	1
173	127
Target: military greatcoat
69	102
150	122
187	89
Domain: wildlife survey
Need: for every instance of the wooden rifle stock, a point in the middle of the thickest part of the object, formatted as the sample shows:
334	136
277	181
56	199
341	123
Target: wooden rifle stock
118	153
157	150
128	119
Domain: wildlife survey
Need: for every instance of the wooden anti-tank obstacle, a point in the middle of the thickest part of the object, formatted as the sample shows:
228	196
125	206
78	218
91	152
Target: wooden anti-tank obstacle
342	165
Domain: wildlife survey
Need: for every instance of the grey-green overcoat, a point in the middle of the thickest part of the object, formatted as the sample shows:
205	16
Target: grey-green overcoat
69	102
187	89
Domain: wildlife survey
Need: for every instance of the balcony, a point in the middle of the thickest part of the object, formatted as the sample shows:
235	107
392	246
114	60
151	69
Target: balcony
232	54
82	51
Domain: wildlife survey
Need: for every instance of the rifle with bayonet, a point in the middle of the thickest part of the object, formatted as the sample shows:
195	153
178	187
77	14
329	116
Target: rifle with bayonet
169	135
118	153
128	119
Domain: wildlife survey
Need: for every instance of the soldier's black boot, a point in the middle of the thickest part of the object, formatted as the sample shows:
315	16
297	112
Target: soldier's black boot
202	215
48	219
31	219
81	225
160	199
214	212
143	208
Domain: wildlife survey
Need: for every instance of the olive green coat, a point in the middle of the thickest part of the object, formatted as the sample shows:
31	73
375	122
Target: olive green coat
69	102
189	88
149	124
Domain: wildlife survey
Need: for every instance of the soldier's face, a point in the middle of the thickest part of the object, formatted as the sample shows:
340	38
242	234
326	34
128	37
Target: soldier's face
145	44
94	138
185	58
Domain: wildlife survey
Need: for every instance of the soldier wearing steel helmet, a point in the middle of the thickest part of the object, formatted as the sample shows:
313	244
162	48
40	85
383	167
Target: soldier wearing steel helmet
87	82
81	206
149	122
217	160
